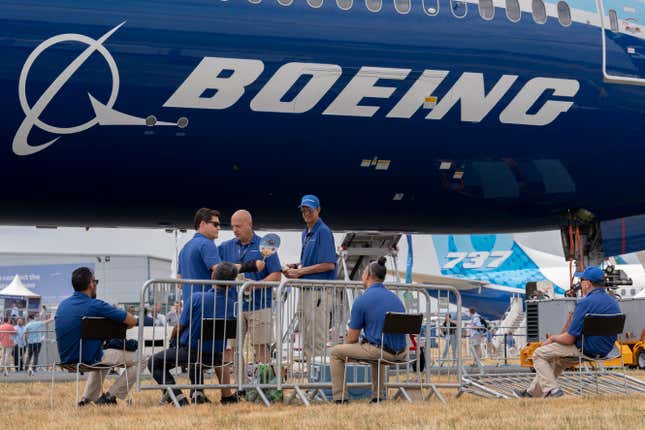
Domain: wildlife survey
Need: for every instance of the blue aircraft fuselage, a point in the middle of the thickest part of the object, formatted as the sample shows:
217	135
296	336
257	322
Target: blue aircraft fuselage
140	112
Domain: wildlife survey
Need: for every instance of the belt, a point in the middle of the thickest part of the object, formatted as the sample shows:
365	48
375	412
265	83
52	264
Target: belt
385	348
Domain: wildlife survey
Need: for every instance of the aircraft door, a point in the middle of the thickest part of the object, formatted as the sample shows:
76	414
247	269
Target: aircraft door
623	41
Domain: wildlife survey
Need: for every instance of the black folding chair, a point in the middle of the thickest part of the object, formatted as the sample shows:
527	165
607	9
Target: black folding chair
601	325
395	323
94	328
215	329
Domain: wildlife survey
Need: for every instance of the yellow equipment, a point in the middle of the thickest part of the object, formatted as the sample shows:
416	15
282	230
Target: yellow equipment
633	354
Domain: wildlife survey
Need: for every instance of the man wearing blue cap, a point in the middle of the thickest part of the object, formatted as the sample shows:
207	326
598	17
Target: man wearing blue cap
317	262
561	351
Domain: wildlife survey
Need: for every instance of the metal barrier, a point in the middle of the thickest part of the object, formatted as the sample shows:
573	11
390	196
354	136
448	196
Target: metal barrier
36	352
284	335
187	350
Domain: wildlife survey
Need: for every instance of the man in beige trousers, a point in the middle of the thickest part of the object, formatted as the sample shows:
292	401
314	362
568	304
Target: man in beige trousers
560	352
368	314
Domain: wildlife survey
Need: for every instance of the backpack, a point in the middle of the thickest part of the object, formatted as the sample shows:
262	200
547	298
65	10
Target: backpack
264	374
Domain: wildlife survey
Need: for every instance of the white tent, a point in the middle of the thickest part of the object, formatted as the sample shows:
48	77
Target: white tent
16	289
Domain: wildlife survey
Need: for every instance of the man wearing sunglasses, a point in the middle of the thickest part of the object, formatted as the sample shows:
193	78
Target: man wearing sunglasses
199	257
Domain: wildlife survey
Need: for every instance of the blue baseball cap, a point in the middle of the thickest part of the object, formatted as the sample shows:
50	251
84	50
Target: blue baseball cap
591	273
310	201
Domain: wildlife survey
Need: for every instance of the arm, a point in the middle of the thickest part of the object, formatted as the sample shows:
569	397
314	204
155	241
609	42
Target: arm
352	335
177	330
130	320
310	270
562	338
567	324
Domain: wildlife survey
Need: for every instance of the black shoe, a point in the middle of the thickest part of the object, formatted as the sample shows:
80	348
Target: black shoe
342	402
106	399
522	393
556	392
83	402
241	393
230	399
377	401
199	398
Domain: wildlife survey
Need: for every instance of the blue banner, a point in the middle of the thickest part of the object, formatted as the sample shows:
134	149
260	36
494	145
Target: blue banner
53	282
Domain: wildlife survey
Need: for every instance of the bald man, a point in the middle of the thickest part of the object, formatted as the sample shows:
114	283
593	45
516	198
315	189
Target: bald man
256	314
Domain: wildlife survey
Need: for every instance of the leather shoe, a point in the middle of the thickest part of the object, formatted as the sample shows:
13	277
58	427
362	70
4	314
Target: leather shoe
106	399
556	392
522	393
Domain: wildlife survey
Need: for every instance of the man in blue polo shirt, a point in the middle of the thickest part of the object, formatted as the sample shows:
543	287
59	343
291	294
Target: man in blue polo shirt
218	303
368	314
199	258
256	316
70	312
561	351
317	262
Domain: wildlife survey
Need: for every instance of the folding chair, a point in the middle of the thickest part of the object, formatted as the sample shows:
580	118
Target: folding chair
214	329
601	325
94	328
395	323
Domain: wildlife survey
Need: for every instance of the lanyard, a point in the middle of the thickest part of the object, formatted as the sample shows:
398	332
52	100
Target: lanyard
243	254
308	237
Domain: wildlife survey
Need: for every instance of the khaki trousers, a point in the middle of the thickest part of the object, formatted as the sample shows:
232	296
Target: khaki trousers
94	386
549	361
316	305
357	352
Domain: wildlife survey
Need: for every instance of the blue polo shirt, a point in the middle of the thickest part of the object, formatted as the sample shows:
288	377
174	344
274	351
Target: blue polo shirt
195	261
318	247
35	331
597	301
368	313
216	304
68	318
234	252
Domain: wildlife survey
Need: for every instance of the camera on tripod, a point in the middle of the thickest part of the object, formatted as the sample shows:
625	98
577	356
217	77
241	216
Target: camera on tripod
613	279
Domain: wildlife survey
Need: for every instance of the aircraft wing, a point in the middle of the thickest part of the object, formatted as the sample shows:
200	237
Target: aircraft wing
458	283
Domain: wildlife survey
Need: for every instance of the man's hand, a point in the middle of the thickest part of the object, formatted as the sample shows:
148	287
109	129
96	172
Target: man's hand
260	264
548	341
292	273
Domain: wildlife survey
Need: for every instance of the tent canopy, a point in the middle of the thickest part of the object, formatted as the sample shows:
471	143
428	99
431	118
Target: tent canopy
17	289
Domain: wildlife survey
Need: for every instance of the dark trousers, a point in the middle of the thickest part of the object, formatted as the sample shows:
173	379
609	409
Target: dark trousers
179	357
19	357
33	351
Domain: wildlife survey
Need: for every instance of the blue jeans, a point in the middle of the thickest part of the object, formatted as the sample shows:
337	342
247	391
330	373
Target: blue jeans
33	350
450	341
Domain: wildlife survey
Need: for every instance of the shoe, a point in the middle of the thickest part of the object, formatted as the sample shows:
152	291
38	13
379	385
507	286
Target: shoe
106	399
199	398
230	399
342	402
83	402
556	392
376	401
522	393
241	393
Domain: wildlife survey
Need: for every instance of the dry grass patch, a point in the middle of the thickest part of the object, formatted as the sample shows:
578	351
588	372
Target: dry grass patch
26	405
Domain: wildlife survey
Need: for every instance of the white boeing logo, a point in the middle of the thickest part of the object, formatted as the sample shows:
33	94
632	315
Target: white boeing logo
104	114
228	78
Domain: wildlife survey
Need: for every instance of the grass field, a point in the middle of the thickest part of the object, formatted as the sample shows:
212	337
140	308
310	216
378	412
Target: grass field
26	406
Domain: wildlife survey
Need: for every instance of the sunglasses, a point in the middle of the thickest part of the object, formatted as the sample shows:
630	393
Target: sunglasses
215	223
96	281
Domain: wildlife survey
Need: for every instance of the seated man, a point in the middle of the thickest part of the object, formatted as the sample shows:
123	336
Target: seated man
368	314
218	303
70	312
562	351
